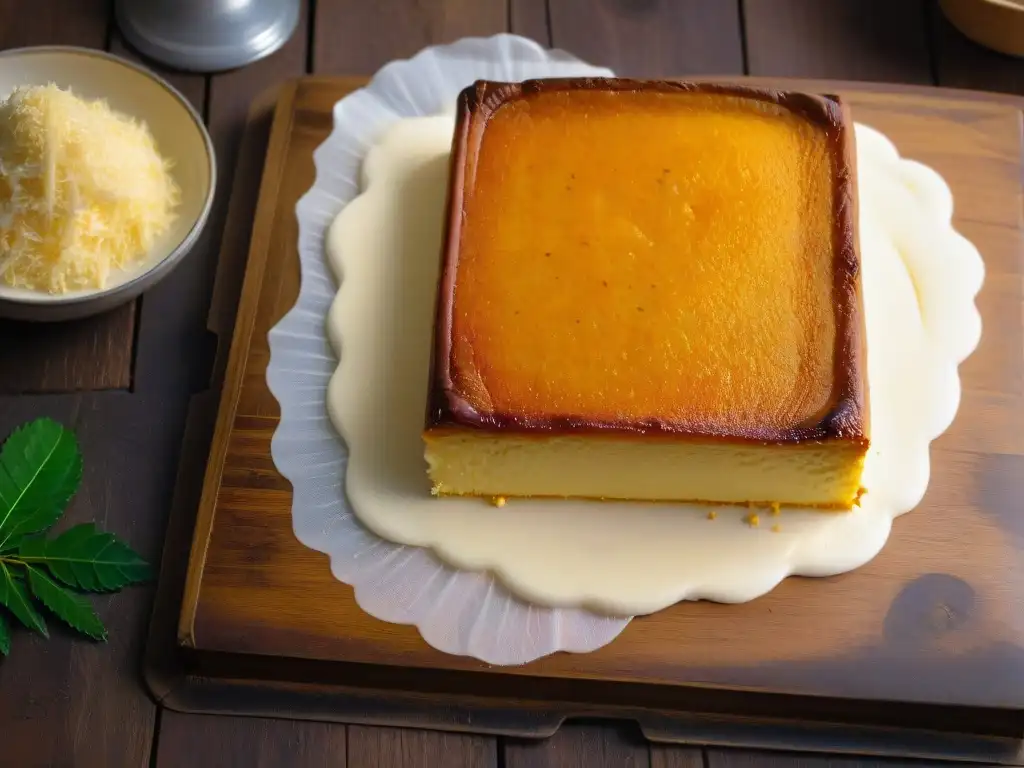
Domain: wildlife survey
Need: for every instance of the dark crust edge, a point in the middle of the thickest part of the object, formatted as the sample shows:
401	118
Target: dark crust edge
847	421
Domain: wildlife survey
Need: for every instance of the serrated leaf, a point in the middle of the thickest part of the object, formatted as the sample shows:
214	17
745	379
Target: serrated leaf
88	559
40	469
5	636
72	609
14	595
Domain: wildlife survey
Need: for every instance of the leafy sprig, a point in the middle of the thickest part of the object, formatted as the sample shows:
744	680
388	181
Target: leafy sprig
40	470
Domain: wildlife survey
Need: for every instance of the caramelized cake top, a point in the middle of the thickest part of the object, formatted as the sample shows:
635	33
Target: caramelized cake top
651	257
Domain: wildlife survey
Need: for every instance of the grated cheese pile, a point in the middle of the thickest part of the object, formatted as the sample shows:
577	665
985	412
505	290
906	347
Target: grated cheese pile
83	191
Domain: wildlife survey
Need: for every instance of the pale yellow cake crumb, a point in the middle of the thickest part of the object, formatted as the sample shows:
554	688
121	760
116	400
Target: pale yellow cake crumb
752	520
499	501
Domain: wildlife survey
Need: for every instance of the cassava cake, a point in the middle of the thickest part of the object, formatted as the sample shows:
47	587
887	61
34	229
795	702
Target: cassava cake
650	291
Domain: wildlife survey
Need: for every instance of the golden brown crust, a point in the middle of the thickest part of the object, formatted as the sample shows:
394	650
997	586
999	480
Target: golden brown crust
847	420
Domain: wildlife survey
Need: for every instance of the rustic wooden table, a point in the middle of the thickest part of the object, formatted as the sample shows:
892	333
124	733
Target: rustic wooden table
123	381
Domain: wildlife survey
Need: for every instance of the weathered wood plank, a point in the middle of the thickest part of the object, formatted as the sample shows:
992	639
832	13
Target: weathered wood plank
94	353
54	22
664	756
529	18
67	700
575	745
656	38
406	748
739	758
191	741
874	40
353	37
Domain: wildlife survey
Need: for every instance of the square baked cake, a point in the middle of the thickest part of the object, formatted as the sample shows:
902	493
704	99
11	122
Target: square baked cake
650	291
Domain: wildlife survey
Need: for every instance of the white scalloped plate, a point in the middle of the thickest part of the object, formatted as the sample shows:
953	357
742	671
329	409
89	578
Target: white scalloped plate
614	557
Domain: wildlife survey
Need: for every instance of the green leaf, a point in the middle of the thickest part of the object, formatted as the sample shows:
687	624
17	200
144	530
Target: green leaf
88	559
14	595
40	469
5	636
73	609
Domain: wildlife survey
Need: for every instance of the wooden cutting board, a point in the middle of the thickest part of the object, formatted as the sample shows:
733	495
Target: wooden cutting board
919	652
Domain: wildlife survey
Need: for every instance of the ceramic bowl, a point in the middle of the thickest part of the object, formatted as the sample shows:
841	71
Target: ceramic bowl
180	136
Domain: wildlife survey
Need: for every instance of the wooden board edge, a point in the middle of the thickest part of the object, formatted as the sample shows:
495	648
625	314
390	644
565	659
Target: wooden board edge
539	720
236	238
263	219
163	669
162	664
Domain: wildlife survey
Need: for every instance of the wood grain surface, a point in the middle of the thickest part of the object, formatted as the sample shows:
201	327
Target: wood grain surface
66	702
370	747
655	38
248	741
65	697
589	746
831	39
